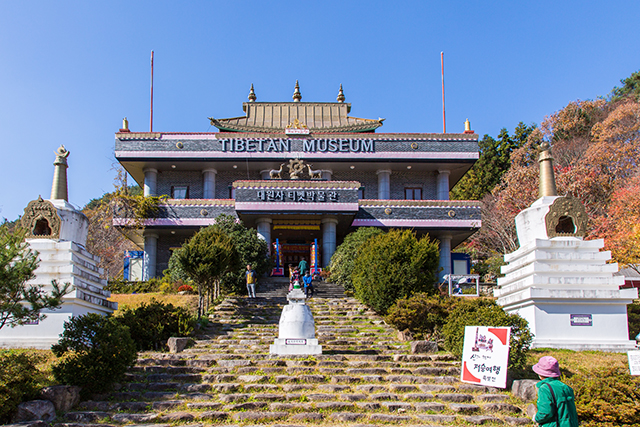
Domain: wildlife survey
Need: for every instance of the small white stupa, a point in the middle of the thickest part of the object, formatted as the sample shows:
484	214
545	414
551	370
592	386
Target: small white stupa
297	330
560	283
58	232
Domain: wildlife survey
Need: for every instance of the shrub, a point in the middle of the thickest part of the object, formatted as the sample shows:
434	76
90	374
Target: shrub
422	314
394	265
633	317
185	288
607	396
96	352
151	325
19	380
343	259
485	312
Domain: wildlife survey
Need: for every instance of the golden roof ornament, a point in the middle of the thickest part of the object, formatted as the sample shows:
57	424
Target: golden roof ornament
252	94
340	97
125	125
547	178
297	96
297	124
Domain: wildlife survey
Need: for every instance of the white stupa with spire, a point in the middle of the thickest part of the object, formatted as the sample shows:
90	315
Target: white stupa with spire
559	282
58	232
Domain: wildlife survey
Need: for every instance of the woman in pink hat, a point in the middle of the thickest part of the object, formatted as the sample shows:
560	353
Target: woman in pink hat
556	403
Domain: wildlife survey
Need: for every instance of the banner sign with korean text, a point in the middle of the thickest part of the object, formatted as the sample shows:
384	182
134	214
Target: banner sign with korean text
634	362
485	356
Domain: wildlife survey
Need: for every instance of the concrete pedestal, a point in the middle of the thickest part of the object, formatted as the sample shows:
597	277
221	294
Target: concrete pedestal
296	332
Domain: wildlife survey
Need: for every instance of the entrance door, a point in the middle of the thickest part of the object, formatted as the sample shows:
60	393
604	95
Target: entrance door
293	253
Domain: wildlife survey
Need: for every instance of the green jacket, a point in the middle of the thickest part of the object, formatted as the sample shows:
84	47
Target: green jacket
566	406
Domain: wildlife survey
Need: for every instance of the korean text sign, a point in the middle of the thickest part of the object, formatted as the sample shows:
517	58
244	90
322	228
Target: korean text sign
485	355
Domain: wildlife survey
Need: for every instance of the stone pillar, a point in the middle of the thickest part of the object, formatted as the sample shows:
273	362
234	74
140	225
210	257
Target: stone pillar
265	174
328	240
445	256
443	185
384	184
326	174
150	255
209	182
264	231
150	182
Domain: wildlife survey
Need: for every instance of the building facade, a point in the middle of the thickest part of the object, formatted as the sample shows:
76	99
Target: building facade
303	174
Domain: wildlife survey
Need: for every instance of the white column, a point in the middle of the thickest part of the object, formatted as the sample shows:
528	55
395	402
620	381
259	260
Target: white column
326	174
384	184
209	183
328	239
150	255
265	174
445	255
264	231
443	185
150	182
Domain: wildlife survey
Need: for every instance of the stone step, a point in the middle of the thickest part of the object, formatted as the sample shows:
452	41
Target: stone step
363	377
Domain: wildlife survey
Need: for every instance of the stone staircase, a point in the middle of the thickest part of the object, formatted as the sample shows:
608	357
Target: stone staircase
365	377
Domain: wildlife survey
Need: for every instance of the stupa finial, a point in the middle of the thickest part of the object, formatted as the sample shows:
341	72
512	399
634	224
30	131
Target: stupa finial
252	94
297	96
547	178
59	186
340	97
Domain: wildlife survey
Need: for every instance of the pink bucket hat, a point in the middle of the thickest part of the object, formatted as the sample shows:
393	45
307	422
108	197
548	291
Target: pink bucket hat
547	367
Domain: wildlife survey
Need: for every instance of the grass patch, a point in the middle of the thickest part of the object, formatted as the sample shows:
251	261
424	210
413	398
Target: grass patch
44	366
577	362
135	300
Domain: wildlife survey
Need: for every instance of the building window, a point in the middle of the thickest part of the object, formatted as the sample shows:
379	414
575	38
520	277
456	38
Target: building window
180	192
361	193
232	192
413	193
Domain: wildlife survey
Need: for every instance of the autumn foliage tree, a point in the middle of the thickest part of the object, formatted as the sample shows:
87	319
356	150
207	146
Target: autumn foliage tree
621	226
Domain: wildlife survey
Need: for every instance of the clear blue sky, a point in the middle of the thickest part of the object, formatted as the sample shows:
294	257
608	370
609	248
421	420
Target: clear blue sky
71	70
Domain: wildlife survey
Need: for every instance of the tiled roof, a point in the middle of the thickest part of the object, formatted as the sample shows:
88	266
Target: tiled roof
272	117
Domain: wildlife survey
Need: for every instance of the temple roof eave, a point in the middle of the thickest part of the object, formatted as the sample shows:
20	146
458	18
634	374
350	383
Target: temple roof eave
360	126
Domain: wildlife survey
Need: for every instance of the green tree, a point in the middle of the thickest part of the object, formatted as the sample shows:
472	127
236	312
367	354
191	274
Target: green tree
630	88
206	258
343	259
250	247
20	302
494	161
394	265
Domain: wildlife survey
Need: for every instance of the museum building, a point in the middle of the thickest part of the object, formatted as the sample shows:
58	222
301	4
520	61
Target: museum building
304	175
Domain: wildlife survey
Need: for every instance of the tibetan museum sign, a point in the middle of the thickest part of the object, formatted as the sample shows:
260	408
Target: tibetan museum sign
282	145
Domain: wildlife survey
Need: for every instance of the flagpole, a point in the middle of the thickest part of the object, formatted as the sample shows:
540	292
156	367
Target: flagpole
151	113
444	121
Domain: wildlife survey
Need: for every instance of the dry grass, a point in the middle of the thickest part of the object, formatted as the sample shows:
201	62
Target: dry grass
135	300
577	362
44	366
